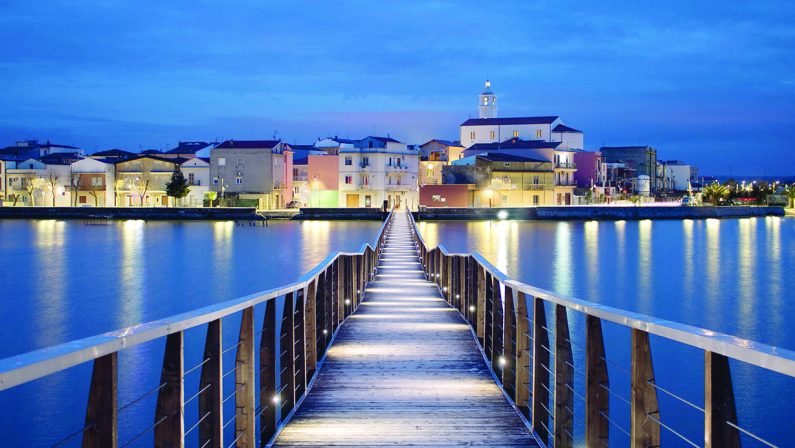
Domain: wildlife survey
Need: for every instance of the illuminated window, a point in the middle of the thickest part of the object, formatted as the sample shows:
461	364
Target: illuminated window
222	161
538	133
516	134
535	199
472	135
348	179
493	135
239	180
348	161
485	101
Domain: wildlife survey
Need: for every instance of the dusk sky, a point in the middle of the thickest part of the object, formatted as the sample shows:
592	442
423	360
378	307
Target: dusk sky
710	82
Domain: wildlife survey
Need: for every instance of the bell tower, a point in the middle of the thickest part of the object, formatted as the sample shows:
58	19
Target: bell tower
487	102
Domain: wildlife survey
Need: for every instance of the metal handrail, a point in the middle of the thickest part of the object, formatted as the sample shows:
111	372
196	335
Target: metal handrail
26	367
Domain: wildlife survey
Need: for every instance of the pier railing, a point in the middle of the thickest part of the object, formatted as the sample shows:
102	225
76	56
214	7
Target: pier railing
531	357
289	354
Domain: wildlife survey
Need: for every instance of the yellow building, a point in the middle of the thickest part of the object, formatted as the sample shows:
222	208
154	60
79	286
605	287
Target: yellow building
505	180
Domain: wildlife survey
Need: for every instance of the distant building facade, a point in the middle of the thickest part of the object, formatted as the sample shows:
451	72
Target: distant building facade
255	170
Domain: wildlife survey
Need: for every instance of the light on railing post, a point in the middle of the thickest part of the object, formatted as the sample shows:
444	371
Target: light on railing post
276	399
347	301
501	361
325	331
471	308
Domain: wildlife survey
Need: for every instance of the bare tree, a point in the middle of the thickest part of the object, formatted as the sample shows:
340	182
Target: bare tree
118	185
51	181
140	184
32	185
74	184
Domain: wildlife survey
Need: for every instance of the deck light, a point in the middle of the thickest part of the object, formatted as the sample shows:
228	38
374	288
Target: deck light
444	289
275	398
501	361
358	291
347	301
502	215
325	331
457	296
472	308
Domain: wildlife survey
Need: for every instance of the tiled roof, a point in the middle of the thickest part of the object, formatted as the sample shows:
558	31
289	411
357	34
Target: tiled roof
514	143
114	153
188	148
511	120
564	128
500	157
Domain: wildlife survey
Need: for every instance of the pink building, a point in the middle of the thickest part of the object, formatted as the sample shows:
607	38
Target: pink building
447	195
591	170
323	179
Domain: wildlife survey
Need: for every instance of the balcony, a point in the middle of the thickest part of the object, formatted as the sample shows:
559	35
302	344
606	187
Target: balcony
396	167
539	187
397	187
195	182
565	183
566	165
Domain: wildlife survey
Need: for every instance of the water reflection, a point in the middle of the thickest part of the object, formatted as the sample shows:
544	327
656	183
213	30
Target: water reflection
314	240
592	252
222	258
746	260
773	298
713	268
50	280
563	260
133	274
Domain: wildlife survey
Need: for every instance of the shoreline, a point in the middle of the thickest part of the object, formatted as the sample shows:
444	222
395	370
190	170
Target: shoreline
561	213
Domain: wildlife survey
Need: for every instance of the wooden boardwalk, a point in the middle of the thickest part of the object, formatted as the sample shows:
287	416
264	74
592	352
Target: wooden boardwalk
404	370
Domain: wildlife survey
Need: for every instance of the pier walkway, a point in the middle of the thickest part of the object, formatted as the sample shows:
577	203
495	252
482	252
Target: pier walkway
404	370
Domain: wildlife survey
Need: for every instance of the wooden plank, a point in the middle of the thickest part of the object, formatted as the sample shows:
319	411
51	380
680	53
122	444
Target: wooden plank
286	394
540	417
299	343
645	432
481	302
497	347
245	408
310	327
169	419
510	358
597	398
267	368
403	377
102	411
210	401
564	381
719	406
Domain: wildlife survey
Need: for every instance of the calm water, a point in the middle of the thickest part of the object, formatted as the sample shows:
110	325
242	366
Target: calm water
725	275
62	280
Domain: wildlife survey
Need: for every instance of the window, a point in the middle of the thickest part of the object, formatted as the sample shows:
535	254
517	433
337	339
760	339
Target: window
239	160
515	133
368	201
348	161
493	135
485	101
238	180
535	180
82	199
222	161
348	179
504	199
365	161
370	144
538	133
295	172
191	177
215	180
472	135
436	198
506	164
535	199
96	181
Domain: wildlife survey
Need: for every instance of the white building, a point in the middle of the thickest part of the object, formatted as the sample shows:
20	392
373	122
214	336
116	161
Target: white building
92	183
673	175
197	173
378	169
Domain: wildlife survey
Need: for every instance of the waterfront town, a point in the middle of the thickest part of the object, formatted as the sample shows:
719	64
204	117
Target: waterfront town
496	162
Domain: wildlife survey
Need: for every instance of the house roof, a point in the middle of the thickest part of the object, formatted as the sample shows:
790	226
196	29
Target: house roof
565	129
500	157
301	160
114	153
188	148
510	120
303	147
177	160
443	142
249	144
382	139
514	143
66	158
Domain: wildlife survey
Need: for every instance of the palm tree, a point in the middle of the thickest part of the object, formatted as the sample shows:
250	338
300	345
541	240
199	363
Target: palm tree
715	192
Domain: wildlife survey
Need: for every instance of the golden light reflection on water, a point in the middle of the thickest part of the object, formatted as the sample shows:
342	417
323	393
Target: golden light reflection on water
563	282
50	239
746	264
315	243
644	264
713	265
222	257
773	232
688	277
133	264
592	252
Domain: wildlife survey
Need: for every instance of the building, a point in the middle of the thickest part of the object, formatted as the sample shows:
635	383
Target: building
628	163
674	176
441	150
487	102
253	172
323	177
141	181
552	152
302	189
447	195
113	154
506	180
197	172
189	150
591	170
91	182
377	171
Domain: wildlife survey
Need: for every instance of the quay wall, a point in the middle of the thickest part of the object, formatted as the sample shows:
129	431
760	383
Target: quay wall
587	213
146	213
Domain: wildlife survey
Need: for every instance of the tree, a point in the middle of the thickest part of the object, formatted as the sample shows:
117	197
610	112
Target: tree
139	185
210	196
789	191
177	187
34	185
52	183
118	185
74	184
715	192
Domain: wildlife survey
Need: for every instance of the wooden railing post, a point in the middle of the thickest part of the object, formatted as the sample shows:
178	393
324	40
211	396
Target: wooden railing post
510	357
540	418
340	291
597	399
299	360
564	381
169	419
480	307
245	407
498	322
488	330
210	401
310	327
645	431
267	368
102	411
286	395
522	355
719	405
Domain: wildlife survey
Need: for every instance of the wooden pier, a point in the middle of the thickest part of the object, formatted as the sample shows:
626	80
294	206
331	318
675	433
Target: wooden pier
404	370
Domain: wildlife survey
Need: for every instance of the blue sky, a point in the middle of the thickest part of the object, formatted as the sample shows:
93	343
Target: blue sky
712	82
